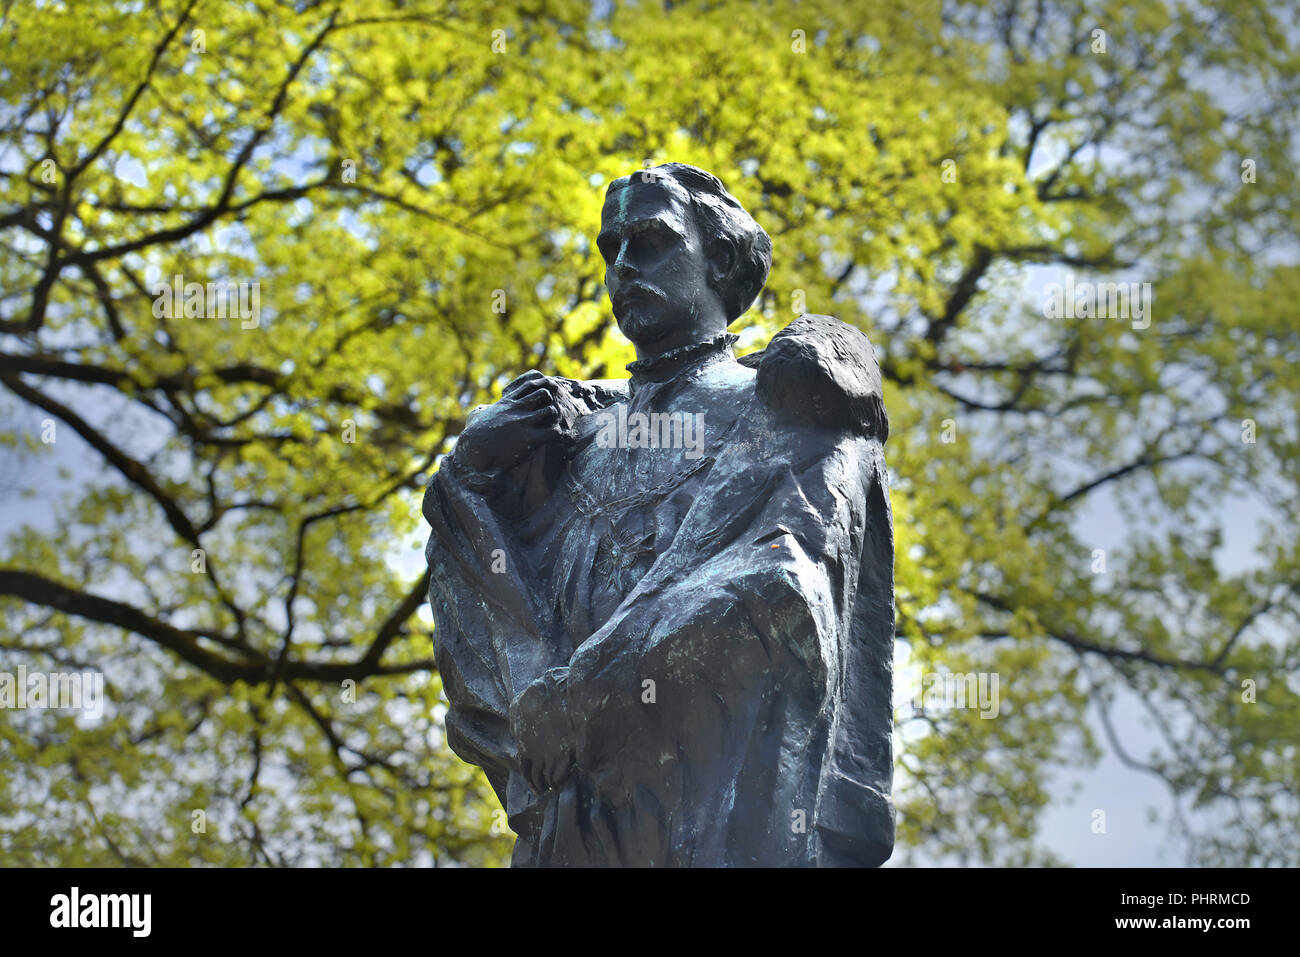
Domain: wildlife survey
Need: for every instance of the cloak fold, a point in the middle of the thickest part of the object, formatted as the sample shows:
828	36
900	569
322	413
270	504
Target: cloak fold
735	706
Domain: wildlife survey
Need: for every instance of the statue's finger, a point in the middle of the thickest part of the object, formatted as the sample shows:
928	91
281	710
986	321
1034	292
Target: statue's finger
531	377
536	400
547	415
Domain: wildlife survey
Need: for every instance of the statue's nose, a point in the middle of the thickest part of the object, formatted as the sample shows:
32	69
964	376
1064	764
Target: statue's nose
623	267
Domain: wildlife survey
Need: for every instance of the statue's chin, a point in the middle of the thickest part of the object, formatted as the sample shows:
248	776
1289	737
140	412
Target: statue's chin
641	326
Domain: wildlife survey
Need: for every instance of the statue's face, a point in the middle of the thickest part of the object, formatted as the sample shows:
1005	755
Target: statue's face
656	264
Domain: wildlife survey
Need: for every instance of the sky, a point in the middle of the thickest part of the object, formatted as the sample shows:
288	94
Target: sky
1125	794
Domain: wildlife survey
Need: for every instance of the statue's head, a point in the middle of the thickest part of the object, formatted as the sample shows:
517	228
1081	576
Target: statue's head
683	259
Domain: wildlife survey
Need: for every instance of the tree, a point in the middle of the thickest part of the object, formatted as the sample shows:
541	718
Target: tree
389	212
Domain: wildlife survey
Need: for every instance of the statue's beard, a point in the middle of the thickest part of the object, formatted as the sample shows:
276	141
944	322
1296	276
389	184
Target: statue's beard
641	324
644	315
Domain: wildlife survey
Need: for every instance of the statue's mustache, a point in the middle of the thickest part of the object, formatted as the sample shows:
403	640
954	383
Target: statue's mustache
629	293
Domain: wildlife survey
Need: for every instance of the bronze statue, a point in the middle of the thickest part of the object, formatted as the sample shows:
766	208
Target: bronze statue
664	605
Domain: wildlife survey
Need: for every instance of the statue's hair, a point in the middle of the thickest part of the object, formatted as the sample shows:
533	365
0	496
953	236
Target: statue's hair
718	213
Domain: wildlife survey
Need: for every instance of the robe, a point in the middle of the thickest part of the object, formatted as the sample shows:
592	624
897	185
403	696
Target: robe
710	628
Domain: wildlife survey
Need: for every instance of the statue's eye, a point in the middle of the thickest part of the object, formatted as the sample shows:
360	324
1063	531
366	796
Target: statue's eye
657	240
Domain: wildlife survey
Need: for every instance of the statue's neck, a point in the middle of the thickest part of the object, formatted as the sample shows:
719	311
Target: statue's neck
670	364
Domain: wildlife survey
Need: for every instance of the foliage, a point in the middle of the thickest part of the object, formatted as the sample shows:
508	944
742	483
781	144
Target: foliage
415	188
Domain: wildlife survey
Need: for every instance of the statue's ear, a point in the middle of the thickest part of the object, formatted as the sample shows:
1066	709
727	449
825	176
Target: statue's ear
723	256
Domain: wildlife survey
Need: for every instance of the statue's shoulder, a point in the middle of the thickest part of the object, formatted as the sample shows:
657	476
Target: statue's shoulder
822	371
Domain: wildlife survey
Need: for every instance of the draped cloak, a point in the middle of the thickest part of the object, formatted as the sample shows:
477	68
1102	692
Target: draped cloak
721	617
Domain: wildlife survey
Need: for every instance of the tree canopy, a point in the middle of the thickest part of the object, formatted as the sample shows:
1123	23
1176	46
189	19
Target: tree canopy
407	193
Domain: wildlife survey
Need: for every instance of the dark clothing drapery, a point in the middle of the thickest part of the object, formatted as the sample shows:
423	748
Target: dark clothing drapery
718	629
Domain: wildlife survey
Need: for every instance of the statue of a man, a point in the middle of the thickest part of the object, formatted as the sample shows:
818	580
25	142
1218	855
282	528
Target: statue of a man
664	605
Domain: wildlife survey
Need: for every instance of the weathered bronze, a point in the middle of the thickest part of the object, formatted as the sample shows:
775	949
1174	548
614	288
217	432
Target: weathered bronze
664	605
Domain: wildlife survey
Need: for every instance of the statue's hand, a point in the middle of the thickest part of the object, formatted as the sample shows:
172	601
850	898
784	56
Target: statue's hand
529	414
540	723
